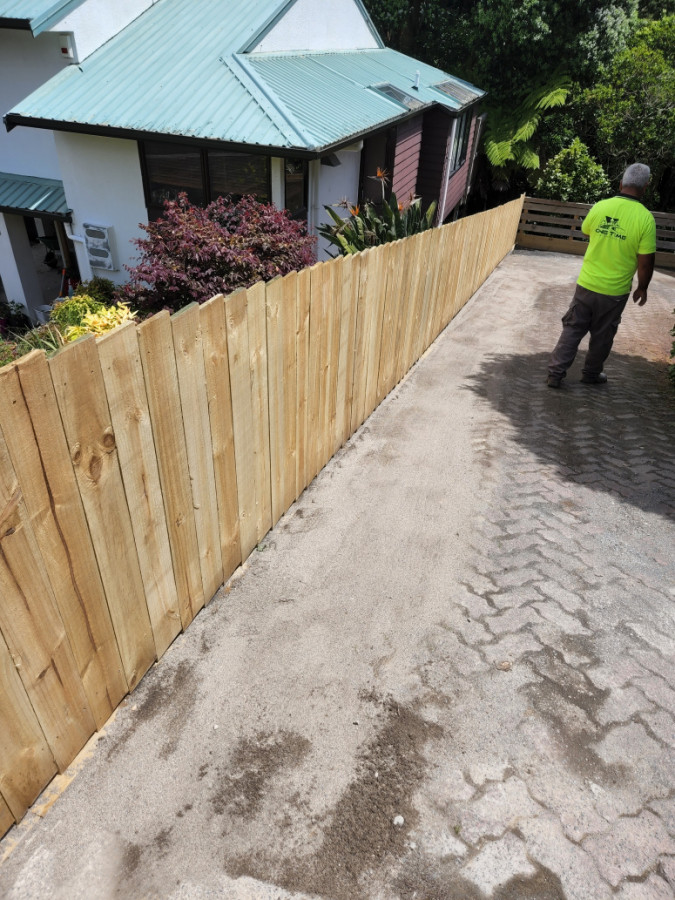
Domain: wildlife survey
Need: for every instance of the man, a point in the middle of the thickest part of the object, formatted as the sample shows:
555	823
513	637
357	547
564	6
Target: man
622	240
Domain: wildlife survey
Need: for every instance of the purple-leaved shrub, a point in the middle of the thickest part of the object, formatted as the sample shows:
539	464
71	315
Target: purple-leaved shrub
192	253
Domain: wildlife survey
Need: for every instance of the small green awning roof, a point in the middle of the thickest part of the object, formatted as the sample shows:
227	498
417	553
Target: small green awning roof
35	15
25	195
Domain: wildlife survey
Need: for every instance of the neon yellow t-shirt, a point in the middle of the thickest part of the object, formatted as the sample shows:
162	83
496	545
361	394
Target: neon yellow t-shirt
619	228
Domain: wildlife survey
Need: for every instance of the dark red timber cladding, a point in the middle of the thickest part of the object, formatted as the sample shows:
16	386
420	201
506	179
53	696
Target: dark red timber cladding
437	125
407	159
457	183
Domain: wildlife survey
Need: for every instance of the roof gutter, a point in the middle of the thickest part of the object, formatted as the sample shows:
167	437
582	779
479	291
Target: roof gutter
12	120
15	24
35	213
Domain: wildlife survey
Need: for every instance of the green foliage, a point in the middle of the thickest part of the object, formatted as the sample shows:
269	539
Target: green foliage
573	175
631	111
509	132
12	317
101	289
71	311
656	9
369	227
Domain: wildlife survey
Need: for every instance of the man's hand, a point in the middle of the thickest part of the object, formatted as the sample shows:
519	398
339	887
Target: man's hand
640	296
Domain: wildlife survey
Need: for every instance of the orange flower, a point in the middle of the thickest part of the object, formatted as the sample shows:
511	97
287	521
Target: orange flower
382	174
354	210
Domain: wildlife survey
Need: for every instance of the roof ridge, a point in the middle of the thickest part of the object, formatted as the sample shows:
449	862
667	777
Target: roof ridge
255	87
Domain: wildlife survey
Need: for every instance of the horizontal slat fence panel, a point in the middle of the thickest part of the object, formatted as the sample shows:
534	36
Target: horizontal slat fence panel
142	468
556	226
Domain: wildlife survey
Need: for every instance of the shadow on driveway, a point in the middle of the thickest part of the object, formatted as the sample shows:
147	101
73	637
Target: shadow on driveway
618	438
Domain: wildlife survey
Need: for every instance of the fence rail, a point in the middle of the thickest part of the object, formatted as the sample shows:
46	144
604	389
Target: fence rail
137	471
556	226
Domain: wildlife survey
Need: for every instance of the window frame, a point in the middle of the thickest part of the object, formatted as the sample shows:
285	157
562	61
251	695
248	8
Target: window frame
155	210
460	142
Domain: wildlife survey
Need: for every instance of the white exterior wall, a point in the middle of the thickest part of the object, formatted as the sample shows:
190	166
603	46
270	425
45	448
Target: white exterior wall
336	25
328	185
103	184
26	63
96	21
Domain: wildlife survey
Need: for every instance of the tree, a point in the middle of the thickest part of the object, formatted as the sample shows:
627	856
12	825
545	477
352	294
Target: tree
630	113
573	175
193	253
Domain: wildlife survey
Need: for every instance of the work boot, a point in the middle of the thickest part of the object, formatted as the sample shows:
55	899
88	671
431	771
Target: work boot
600	378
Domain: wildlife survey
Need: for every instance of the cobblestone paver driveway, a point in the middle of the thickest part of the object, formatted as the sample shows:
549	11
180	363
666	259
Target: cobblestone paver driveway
450	672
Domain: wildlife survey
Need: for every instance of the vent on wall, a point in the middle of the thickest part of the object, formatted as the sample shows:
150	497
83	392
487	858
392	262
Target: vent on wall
98	244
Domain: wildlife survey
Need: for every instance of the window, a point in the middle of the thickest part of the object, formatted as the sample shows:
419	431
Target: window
202	174
460	142
295	179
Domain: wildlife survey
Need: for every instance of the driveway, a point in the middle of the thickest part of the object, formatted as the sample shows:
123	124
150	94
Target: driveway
448	673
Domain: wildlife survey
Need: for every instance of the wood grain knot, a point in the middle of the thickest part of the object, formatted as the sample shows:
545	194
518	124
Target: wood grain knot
95	467
108	439
76	454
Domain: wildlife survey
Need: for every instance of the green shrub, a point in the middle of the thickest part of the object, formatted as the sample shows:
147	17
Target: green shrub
574	176
369	228
71	311
8	352
101	289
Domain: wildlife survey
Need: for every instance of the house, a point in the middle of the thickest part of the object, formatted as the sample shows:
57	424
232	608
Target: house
296	101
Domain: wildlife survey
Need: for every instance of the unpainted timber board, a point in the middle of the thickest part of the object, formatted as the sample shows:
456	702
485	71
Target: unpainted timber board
216	363
242	418
6	817
334	287
26	762
155	341
128	403
377	291
80	392
302	378
317	327
349	298
33	630
187	342
257	348
39	451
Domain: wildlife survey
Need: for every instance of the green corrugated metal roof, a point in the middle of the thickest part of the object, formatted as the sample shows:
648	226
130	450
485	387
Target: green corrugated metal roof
38	15
26	195
176	71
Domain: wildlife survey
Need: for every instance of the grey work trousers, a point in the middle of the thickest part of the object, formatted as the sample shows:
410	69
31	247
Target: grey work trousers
598	313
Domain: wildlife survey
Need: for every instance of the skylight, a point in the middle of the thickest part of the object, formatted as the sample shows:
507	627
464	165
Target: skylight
394	93
457	91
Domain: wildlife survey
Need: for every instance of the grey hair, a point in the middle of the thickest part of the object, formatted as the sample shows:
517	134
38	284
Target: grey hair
636	175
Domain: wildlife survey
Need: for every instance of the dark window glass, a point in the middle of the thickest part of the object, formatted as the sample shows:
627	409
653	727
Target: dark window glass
237	174
460	142
173	168
295	173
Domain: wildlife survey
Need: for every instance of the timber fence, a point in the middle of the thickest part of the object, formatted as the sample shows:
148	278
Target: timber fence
555	226
138	470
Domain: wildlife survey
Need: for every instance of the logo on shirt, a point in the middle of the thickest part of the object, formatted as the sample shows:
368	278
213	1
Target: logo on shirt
611	228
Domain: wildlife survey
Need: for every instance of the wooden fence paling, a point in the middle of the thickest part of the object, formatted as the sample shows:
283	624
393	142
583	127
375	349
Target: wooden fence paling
302	380
33	629
349	300
6	817
161	386
281	362
80	393
39	453
128	404
189	353
26	762
248	396
242	418
214	334
257	347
